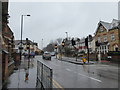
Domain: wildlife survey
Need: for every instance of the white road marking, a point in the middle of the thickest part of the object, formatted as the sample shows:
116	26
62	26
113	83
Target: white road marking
86	76
68	69
96	79
55	65
91	78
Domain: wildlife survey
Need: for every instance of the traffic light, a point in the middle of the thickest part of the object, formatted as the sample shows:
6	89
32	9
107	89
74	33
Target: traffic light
86	41
27	40
55	46
63	44
27	43
73	42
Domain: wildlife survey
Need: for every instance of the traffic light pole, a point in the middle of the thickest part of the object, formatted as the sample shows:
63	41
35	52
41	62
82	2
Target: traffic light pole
88	53
29	52
87	45
56	53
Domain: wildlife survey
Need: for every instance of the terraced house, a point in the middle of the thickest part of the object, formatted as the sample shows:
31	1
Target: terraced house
107	37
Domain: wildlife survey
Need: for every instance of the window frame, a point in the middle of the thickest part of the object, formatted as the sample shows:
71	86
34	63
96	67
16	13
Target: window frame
105	38
112	37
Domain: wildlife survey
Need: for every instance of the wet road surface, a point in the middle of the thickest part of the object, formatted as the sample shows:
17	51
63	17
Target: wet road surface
69	75
66	75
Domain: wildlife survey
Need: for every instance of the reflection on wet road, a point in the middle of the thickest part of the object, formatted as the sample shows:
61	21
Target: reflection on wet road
65	75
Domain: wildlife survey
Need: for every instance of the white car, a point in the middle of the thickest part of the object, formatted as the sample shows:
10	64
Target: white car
52	53
46	55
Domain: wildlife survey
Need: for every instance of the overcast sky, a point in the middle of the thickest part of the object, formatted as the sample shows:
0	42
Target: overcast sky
50	20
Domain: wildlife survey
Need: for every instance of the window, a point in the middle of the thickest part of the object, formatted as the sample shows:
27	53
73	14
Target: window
105	38
99	40
112	37
101	28
115	47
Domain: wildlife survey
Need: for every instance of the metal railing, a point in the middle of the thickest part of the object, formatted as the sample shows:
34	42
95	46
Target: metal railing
44	76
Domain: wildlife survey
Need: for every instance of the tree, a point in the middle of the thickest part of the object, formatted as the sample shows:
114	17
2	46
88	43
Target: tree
50	47
59	41
68	51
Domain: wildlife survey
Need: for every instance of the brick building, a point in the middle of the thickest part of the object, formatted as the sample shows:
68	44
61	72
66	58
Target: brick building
7	41
0	45
107	37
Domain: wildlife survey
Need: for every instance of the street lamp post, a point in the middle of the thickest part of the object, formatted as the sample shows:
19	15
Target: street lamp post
66	35
42	44
21	35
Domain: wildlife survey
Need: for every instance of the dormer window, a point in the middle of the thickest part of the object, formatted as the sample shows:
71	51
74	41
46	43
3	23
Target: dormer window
101	29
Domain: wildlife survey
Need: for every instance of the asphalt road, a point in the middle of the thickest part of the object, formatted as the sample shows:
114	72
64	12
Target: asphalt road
68	75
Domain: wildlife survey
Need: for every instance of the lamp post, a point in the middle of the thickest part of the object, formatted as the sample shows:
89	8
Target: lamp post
66	35
21	35
42	44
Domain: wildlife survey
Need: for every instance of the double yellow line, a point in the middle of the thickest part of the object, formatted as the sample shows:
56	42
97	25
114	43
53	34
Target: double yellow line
56	85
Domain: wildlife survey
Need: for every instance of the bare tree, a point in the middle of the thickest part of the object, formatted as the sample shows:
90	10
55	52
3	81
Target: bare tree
59	40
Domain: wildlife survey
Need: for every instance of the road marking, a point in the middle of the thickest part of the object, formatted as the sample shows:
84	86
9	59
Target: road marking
86	76
68	69
57	85
55	65
96	79
90	77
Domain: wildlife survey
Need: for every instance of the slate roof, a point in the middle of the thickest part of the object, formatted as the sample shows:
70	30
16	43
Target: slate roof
109	26
106	25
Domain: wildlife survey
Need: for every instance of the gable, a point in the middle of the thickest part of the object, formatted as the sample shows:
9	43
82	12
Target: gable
101	29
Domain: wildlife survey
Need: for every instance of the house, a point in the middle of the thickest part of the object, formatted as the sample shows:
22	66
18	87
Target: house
7	41
107	37
91	44
82	47
33	46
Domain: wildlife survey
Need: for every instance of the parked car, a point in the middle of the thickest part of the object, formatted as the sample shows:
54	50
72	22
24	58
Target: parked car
32	54
25	54
46	55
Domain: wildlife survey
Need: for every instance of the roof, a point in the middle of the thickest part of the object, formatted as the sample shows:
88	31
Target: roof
24	42
108	26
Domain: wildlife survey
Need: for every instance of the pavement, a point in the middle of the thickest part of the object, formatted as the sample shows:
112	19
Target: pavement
78	61
18	78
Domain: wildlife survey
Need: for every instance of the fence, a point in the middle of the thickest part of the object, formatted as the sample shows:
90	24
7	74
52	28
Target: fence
44	76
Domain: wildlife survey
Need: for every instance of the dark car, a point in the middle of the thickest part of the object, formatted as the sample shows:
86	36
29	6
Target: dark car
46	55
